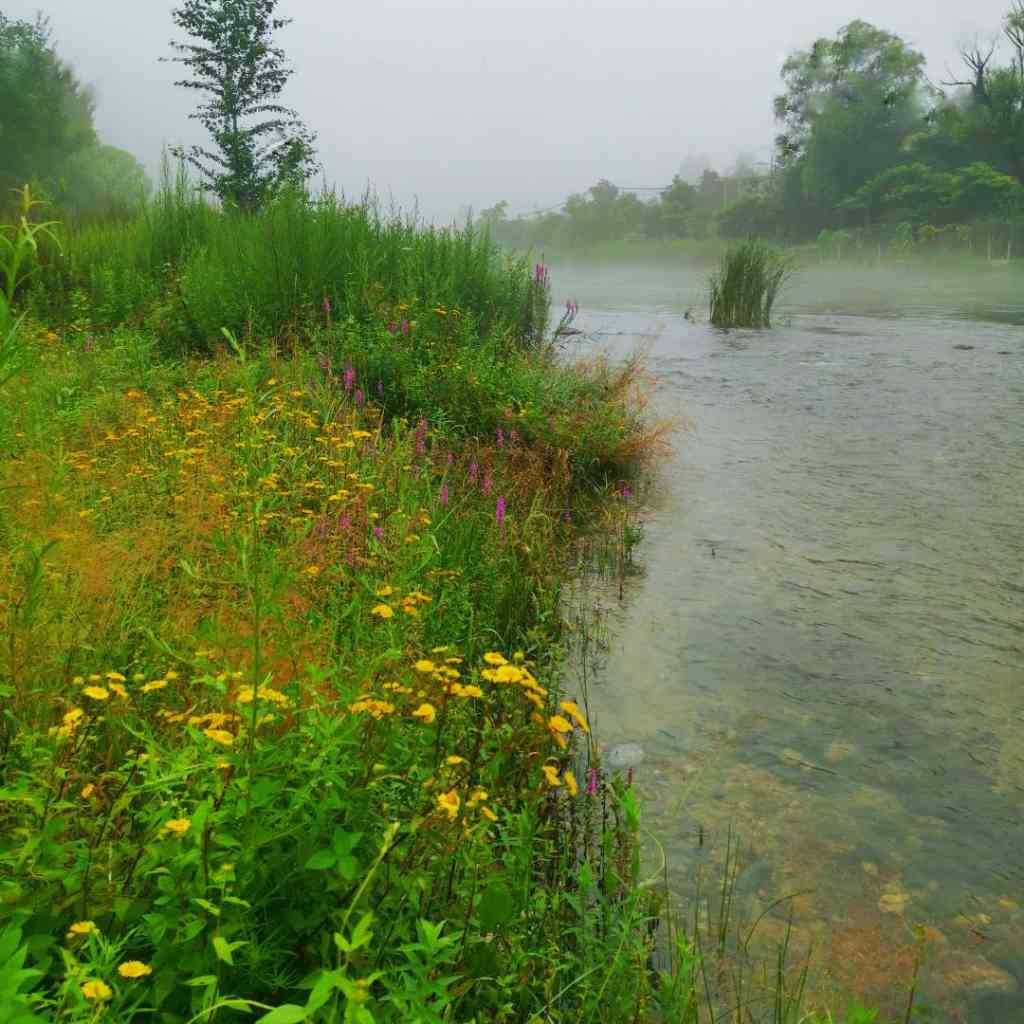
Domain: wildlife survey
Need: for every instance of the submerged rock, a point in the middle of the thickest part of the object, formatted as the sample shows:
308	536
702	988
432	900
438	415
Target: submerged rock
624	755
967	972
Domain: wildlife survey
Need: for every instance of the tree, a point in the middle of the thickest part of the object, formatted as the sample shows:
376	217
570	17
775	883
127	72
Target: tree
849	103
45	114
101	181
260	145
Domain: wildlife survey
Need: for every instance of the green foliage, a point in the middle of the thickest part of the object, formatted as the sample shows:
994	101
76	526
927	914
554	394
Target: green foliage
101	181
46	114
260	146
744	289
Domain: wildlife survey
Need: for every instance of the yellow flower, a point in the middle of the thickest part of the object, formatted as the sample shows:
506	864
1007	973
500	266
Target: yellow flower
551	775
449	803
157	684
558	724
82	928
466	691
571	784
454	759
385	591
88	790
116	677
96	692
383	611
493	658
508	674
177	826
424	665
134	969
170	675
118	689
96	990
439	650
221	736
73	717
488	813
426	713
571	708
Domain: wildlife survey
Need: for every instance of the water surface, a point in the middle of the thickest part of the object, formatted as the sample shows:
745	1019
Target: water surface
826	646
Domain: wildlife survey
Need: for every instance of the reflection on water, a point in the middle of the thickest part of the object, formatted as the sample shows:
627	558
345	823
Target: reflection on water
827	646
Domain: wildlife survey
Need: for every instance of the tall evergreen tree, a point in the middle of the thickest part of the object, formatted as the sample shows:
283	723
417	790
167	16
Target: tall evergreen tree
259	144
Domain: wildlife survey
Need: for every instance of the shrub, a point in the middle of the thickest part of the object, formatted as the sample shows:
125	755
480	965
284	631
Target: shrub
746	285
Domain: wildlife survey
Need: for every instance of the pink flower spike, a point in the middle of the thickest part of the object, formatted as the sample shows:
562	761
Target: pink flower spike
443	497
591	782
499	511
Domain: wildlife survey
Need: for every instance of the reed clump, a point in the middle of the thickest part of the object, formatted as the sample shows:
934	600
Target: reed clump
747	283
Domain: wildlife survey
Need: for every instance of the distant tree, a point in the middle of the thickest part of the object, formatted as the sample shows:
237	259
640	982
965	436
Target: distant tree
849	103
45	112
260	145
102	181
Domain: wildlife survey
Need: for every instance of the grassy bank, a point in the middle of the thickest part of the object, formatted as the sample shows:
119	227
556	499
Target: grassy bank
281	639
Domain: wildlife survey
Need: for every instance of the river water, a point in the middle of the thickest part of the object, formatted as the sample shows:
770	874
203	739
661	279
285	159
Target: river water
824	651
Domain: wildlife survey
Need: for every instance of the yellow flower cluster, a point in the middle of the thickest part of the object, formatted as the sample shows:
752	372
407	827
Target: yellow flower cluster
376	708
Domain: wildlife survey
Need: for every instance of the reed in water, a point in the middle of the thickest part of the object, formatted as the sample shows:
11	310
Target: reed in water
744	288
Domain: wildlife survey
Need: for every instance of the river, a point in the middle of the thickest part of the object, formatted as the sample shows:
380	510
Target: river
824	650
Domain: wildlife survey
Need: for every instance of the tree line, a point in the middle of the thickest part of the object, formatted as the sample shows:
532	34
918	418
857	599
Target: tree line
866	143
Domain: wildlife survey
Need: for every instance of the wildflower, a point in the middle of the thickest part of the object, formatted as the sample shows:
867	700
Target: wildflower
350	377
421	437
570	783
359	397
134	969
82	928
116	677
177	826
73	717
405	326
96	990
488	486
474	471
508	674
443	497
467	691
221	736
449	803
426	713
383	611
454	759
571	708
170	675
96	692
88	790
119	690
488	813
157	684
378	533
439	650
551	776
499	511
385	591
559	724
501	438
425	666
494	658
377	708
392	328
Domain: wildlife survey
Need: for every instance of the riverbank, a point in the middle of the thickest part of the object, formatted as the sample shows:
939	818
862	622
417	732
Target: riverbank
281	647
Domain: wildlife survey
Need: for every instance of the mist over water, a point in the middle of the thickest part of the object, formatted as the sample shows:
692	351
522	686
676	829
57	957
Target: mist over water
825	649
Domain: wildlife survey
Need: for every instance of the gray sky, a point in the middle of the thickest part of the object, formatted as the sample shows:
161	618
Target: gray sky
469	101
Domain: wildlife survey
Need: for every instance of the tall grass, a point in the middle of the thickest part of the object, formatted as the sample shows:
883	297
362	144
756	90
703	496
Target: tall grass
747	283
186	269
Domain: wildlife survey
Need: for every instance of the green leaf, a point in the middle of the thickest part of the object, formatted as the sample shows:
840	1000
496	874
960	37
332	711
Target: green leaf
207	906
320	861
202	980
222	948
496	907
289	1013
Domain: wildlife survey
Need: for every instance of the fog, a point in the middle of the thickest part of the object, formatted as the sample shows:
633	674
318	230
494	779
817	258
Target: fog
459	104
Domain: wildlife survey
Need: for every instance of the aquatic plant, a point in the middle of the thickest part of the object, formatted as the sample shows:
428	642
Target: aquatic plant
746	285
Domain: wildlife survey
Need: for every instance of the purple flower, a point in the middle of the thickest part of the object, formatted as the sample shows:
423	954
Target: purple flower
421	437
567	516
359	399
327	307
474	471
392	328
378	532
591	782
405	326
499	511
487	485
626	492
501	438
350	377
443	497
513	436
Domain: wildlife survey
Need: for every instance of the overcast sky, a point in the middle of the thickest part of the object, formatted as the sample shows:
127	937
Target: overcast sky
466	102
